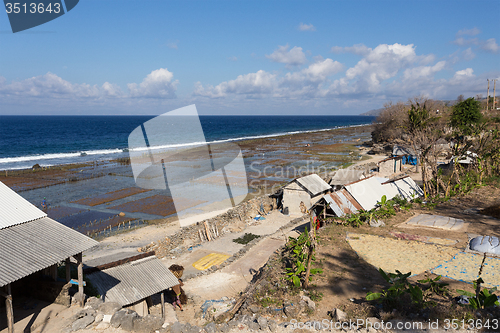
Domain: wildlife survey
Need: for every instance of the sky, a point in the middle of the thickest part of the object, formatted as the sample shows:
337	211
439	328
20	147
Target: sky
242	57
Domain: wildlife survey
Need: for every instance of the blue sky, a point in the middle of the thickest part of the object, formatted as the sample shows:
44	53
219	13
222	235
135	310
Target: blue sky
248	57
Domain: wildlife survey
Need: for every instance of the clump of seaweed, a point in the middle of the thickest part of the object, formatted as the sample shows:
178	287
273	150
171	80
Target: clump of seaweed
246	238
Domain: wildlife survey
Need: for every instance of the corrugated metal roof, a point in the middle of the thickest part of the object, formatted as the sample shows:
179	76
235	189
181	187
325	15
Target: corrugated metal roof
342	203
134	281
314	184
404	187
367	192
346	176
14	209
29	247
400	150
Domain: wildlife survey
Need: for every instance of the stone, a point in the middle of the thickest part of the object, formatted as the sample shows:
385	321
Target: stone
102	326
292	311
210	327
106	318
117	318
273	326
176	327
339	315
147	324
99	317
109	308
376	223
310	303
262	323
224	328
83	313
128	321
254	308
253	326
93	302
370	321
82	323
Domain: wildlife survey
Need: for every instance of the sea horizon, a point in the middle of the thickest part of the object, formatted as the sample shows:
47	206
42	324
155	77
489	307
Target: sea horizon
49	140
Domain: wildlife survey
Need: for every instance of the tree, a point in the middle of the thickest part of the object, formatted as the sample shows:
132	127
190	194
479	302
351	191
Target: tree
466	116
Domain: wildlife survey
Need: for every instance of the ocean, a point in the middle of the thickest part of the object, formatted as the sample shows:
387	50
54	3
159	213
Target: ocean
53	140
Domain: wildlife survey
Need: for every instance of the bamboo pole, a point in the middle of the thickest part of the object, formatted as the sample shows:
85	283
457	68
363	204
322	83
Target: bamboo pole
9	309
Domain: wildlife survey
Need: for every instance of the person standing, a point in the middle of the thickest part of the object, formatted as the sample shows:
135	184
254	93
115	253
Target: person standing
44	205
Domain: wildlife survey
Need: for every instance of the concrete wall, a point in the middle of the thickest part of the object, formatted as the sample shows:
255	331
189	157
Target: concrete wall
390	167
292	199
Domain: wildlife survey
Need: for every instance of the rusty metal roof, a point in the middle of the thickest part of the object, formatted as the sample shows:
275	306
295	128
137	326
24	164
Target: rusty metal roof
313	183
32	246
134	281
14	209
342	203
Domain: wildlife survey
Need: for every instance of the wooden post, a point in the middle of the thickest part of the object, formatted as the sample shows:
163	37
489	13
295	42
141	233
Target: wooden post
81	297
208	232
67	265
488	95
53	272
162	305
9	309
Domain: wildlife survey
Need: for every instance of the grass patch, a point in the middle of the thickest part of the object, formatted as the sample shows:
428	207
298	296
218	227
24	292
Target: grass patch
245	239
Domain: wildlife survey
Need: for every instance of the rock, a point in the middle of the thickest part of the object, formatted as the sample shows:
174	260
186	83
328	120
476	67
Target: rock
377	223
147	324
253	326
170	315
370	321
99	317
339	315
176	327
273	326
310	303
254	308
107	318
224	328
262	323
128	321
83	313
210	327
109	308
102	326
82	323
117	318
292	311
93	302
122	214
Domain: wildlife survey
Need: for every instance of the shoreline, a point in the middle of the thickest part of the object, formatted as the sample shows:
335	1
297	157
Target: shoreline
81	194
37	159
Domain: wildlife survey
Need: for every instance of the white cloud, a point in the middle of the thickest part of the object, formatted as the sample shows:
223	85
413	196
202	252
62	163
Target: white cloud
379	64
157	84
468	54
233	58
306	27
490	45
293	57
252	84
304	83
359	49
463	74
52	86
470	32
423	71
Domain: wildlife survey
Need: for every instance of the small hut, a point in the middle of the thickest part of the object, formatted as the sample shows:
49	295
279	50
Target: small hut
32	246
303	192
